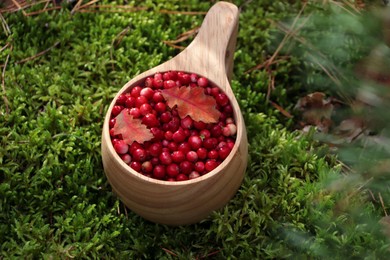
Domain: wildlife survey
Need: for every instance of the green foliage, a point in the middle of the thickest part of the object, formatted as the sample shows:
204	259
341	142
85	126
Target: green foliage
55	201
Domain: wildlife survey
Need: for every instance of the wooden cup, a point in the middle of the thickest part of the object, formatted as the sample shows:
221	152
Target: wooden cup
186	202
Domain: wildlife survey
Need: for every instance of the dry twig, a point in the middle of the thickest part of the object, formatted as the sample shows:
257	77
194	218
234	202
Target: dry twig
182	37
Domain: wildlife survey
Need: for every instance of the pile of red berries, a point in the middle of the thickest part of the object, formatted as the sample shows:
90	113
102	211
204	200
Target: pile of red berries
181	148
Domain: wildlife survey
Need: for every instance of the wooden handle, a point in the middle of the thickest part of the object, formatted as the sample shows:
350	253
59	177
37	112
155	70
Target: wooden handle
211	52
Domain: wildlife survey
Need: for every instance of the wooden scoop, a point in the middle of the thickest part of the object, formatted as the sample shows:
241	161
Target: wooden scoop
178	203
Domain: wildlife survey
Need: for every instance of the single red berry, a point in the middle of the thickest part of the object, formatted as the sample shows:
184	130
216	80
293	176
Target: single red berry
229	120
194	77
184	147
140	100
130	102
149	82
157	97
169	84
210	143
200	125
229	129
199	166
158	134
216	131
139	155
147	167
228	110
172	170
181	177
135	112
112	134
158	83
202	153
195	142
214	91
204	133
120	101
135	92
184	78
155	149
158	75
134	146
165	117
168	135
111	123
178	156
174	124
116	110
186	123
172	146
145	109
150	120
121	147
126	158
147	92
223	152
179	136
212	154
222	99
186	167
160	107
165	158
192	156
159	172
193	175
210	165
136	166
203	82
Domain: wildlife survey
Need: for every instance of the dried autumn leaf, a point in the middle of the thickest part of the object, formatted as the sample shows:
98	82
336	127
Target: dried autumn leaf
193	102
131	129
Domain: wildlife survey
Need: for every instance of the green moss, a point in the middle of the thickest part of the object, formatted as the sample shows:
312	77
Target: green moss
55	201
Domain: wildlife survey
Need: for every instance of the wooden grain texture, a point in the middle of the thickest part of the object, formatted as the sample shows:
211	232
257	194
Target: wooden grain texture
179	203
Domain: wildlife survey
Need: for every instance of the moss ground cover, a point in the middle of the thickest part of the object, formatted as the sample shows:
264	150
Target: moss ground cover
55	201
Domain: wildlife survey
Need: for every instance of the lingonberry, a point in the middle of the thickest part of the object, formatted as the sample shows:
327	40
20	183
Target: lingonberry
120	101
184	78
204	133
147	92
223	152
212	154
159	172
172	146
135	92
157	133
121	147
216	131
165	117
203	82
193	175
199	166
192	156
140	100
126	158
168	135
229	129
186	167
181	177
134	146
210	165
145	109
149	82
150	120
130	102
174	124
179	136
136	166
202	153
184	147
165	158
178	156
155	149
116	110
195	142
169	84
200	125
160	107
210	143
147	167
172	170
111	124
186	123
157	97
135	112
139	155
222	99
158	83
